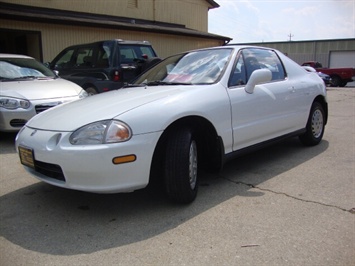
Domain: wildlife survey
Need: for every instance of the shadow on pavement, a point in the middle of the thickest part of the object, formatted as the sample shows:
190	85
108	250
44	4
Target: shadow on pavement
7	142
56	221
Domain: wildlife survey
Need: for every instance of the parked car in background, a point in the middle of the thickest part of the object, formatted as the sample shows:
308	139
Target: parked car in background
106	65
193	110
339	76
27	88
326	78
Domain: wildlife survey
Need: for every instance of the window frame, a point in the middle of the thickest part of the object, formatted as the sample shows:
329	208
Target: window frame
254	52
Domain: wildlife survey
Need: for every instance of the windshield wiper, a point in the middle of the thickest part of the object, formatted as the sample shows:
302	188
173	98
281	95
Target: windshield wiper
18	78
160	82
133	85
4	79
155	83
26	77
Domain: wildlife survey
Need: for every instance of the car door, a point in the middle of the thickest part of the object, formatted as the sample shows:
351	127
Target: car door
269	111
76	63
64	62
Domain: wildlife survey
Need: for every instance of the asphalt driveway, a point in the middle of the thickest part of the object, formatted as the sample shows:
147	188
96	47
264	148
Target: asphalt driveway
284	205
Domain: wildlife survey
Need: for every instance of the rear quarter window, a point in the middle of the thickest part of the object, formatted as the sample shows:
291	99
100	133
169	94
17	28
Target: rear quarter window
129	53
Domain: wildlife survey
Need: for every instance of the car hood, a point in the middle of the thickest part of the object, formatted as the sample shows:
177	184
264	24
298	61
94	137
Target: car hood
39	89
108	105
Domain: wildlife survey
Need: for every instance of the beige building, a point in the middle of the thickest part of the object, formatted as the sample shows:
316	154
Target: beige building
330	53
42	28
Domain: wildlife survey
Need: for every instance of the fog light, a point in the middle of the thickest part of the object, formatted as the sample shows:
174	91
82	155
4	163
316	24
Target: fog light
124	159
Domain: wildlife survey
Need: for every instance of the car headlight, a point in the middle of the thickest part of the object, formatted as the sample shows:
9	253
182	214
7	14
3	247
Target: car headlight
83	94
107	131
14	103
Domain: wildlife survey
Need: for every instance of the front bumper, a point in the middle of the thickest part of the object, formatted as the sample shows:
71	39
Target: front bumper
89	167
14	120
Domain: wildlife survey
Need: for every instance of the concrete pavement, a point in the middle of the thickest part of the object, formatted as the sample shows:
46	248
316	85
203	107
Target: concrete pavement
284	205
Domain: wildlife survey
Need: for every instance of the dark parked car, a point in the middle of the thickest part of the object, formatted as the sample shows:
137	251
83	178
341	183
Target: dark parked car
326	78
105	65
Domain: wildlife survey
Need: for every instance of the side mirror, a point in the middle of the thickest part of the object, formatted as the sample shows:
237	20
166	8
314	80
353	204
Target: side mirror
257	77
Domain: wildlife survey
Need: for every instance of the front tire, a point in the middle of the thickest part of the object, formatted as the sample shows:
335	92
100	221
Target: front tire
315	126
180	168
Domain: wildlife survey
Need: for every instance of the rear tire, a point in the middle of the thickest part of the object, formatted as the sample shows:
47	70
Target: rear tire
91	91
336	81
180	168
343	84
315	126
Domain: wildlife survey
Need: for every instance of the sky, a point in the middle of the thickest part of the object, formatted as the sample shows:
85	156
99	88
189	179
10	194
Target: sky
282	20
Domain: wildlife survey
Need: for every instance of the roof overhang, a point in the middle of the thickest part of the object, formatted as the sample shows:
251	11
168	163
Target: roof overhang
71	18
212	3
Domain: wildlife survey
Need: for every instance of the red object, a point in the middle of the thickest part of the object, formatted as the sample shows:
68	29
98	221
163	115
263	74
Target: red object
340	76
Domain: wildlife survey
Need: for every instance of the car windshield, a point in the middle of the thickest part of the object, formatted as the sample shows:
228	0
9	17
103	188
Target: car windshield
23	68
196	67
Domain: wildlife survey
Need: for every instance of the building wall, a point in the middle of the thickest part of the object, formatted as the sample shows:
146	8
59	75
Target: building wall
318	50
55	37
191	13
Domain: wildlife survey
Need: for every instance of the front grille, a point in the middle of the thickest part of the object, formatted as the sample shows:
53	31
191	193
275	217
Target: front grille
51	170
43	107
18	122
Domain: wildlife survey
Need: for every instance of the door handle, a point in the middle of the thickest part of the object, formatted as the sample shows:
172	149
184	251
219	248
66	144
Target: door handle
292	89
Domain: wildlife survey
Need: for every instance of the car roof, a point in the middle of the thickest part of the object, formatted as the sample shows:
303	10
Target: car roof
231	46
14	56
113	40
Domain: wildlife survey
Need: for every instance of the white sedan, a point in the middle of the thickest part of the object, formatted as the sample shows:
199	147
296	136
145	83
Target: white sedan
27	88
195	109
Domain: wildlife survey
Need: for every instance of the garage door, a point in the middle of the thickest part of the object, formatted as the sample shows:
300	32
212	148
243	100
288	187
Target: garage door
342	59
21	42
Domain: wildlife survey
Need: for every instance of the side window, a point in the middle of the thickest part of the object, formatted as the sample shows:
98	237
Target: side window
103	56
238	76
65	60
84	57
255	58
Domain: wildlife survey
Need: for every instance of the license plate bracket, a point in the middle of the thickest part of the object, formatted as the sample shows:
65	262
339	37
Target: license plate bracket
26	156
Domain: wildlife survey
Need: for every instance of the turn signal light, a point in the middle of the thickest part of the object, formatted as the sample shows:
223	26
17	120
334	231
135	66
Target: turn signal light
124	159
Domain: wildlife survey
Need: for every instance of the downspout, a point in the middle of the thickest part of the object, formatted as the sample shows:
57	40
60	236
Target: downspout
315	51
154	10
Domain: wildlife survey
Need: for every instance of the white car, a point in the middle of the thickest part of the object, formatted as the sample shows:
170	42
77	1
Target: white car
192	110
27	88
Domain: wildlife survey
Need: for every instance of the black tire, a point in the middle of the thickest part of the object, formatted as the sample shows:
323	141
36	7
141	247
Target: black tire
336	81
91	91
343	83
180	168
315	126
